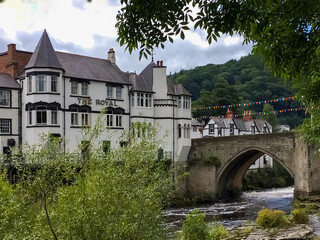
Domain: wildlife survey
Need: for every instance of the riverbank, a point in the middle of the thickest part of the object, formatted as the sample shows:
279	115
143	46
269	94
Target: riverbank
238	216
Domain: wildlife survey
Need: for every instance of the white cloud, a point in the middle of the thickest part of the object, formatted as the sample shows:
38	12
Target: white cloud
80	27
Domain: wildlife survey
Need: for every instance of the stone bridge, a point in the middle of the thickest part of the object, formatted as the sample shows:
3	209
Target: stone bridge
211	181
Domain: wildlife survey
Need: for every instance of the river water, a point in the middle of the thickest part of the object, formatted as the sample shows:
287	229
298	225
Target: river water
234	212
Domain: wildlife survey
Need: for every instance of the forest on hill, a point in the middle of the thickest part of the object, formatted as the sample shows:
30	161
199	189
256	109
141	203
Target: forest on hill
215	87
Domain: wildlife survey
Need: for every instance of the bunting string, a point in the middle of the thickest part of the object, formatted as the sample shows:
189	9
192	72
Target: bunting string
256	113
244	104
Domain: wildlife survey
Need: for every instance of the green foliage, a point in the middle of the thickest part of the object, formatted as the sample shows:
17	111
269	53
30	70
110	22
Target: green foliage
263	178
284	32
118	195
217	232
211	160
300	216
244	80
268	218
194	227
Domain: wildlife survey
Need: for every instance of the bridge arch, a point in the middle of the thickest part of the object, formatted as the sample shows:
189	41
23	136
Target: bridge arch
237	153
231	174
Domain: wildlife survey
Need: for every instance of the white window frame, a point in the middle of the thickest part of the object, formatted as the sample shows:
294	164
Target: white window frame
54	83
74	88
211	129
74	119
85	119
5	126
41	83
132	99
43	115
118	92
109	91
179	102
5	98
54	116
109	118
118	119
29	83
29	117
138	100
84	89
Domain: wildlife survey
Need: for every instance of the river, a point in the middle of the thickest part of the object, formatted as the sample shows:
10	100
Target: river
234	212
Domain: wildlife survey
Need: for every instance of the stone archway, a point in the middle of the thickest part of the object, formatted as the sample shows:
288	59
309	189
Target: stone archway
230	176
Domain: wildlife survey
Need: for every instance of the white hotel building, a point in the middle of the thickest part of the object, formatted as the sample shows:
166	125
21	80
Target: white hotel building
59	93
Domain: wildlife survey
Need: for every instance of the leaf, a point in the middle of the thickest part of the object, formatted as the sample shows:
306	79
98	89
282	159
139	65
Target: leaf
182	35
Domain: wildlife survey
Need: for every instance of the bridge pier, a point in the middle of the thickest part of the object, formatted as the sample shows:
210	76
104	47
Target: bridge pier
212	181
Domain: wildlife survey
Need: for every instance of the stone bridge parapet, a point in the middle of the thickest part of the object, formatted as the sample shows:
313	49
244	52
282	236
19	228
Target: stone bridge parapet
236	153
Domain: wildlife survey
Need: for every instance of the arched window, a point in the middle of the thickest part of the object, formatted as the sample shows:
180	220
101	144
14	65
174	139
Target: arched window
184	130
41	113
179	102
179	130
132	99
138	99
109	118
118	116
188	131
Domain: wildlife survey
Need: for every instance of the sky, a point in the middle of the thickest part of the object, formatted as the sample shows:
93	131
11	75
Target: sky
87	28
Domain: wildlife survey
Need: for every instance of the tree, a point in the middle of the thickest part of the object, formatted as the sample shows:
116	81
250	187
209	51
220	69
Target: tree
285	32
119	194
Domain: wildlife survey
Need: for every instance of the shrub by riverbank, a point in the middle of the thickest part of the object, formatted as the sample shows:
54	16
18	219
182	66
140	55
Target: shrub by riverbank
264	178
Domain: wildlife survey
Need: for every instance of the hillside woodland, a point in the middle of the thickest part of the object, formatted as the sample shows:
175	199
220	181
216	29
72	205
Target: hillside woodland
240	81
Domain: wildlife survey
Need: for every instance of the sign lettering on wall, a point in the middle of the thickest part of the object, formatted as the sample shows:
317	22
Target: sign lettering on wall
99	102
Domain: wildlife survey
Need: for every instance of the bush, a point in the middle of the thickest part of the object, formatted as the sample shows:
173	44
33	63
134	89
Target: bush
194	227
218	232
300	216
268	218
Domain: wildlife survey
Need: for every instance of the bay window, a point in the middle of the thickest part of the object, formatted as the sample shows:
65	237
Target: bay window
41	83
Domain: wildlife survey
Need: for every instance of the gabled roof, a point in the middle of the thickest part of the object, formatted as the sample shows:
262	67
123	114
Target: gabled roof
219	121
260	124
195	122
176	89
83	67
44	55
147	75
239	123
7	81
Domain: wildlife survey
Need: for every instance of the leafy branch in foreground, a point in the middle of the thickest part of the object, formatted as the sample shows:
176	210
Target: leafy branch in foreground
285	32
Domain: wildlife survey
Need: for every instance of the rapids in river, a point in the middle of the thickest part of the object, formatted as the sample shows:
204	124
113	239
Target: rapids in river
234	212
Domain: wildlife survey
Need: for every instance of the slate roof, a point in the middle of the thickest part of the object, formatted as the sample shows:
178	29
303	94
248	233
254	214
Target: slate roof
83	67
44	55
239	123
195	122
139	84
7	81
147	74
260	123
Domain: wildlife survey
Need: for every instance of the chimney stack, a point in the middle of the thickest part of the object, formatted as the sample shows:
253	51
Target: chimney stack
112	56
229	114
247	116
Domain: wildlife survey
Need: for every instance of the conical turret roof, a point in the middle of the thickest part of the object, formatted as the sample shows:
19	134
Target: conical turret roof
44	55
